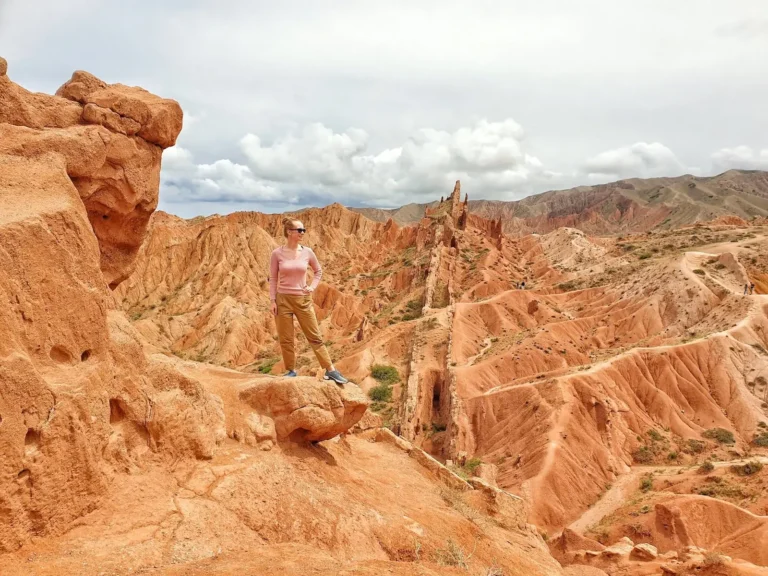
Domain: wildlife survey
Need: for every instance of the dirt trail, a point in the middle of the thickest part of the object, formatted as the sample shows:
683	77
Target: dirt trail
486	344
627	484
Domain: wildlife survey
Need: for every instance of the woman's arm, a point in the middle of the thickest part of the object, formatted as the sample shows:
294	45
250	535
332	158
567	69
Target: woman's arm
274	269
316	268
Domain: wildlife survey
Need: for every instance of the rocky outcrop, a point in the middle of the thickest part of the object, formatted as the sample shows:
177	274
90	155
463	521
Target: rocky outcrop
110	140
304	409
80	401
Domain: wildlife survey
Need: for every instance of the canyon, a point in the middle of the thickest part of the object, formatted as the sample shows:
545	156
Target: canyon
572	384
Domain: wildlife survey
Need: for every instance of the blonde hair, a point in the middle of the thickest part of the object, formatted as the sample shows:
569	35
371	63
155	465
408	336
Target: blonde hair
287	225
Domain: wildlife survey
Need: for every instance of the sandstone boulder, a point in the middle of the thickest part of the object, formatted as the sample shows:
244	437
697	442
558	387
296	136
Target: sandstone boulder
645	552
306	409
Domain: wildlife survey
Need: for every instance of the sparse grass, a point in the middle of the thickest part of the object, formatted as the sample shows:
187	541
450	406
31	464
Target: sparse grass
646	483
748	468
720	435
451	555
712	559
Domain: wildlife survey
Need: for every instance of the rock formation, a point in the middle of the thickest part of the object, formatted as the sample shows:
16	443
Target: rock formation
110	139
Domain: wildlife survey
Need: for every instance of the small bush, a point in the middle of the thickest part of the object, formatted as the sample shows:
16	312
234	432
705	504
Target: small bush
472	464
385	374
644	256
699	271
761	440
381	393
266	367
720	435
706	468
655	435
646	484
643	455
672	456
747	469
696	446
451	555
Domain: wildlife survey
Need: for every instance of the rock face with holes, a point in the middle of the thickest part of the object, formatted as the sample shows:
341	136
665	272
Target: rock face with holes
79	399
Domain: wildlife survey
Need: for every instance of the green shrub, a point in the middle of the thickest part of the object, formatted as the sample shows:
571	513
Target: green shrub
706	468
471	465
643	455
266	367
672	456
761	440
646	484
747	469
385	374
644	256
699	271
720	435
655	435
696	446
381	393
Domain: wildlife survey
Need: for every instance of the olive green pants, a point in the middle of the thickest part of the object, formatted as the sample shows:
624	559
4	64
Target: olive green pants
289	306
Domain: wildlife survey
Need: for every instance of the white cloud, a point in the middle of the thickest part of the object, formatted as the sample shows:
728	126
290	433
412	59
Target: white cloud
640	160
318	164
182	180
740	157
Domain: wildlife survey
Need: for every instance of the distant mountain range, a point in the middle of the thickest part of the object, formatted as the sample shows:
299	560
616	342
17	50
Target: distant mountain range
633	205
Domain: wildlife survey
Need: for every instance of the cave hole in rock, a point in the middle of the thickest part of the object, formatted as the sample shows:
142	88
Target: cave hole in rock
116	411
436	397
32	439
60	354
85	355
299	436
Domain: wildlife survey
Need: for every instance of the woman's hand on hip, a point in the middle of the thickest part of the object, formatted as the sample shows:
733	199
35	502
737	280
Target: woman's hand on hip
274	308
307	290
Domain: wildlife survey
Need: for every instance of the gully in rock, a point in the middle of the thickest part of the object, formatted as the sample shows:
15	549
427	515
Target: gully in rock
291	297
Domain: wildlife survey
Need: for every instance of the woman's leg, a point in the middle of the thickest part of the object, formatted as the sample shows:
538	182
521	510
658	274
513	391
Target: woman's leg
284	323
305	314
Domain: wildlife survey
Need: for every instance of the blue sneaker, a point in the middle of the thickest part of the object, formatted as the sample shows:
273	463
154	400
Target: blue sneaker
290	374
336	376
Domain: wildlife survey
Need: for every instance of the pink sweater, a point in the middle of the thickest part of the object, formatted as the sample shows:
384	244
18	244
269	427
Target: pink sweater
288	275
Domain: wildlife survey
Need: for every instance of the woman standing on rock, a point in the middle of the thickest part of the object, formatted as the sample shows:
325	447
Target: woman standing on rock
291	297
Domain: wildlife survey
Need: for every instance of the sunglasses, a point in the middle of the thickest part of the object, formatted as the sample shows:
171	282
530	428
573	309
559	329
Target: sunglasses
300	230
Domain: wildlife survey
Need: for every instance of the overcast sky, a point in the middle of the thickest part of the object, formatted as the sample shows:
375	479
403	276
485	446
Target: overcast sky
307	102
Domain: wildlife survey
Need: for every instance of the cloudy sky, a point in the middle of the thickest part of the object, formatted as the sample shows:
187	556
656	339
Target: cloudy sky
307	102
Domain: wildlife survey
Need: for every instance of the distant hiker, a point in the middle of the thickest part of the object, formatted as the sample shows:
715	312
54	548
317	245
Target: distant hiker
522	285
752	288
291	297
746	289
